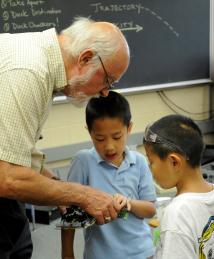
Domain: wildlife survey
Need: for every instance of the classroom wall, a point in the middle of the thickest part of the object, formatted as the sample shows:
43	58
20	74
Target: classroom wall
66	123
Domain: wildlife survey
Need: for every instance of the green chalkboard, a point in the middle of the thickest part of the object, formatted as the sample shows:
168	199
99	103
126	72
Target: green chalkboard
169	39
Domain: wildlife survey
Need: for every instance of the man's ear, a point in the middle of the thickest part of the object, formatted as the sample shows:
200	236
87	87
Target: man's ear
85	56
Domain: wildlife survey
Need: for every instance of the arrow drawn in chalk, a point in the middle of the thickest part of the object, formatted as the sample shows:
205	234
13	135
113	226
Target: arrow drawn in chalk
137	28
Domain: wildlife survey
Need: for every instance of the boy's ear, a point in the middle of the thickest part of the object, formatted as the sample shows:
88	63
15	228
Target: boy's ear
130	127
175	160
85	57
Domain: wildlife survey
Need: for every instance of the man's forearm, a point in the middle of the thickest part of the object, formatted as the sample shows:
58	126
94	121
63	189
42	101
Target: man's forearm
24	184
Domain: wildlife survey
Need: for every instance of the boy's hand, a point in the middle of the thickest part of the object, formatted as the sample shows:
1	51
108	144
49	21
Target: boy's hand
123	201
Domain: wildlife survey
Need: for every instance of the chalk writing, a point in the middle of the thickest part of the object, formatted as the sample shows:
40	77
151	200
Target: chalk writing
138	8
129	26
11	3
31	25
21	15
5	16
6	27
42	11
98	7
32	3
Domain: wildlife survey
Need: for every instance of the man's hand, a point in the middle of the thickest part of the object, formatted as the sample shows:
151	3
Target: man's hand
100	205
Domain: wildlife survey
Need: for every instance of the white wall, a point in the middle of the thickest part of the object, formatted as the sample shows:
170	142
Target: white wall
66	124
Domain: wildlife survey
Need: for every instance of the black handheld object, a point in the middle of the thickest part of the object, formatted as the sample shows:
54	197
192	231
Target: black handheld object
75	217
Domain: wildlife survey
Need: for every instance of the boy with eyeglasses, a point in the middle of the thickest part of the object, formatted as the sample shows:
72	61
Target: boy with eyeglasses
174	147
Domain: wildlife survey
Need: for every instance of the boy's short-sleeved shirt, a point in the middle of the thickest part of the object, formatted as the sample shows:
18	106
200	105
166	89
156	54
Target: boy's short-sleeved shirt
130	238
187	227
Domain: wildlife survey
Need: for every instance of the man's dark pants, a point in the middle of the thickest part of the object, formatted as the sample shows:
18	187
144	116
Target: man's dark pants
15	237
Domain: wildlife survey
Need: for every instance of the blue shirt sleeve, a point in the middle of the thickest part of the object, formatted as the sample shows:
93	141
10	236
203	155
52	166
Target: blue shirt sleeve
146	186
78	171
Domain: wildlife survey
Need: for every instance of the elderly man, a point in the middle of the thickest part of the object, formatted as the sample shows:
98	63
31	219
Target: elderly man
83	60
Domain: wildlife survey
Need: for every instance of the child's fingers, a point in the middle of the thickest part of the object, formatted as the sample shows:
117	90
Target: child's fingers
128	204
122	200
118	197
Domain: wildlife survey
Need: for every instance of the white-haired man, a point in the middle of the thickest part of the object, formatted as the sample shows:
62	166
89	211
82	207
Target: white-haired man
82	61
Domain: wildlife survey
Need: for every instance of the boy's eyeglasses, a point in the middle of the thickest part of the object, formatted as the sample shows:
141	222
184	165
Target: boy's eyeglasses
110	86
151	137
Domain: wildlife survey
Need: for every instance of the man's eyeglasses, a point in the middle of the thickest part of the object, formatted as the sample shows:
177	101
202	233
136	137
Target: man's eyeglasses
110	85
151	137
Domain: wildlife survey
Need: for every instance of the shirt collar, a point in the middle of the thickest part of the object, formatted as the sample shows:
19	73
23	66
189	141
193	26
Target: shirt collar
130	158
56	64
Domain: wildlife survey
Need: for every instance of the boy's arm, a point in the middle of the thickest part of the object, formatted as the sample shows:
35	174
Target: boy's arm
67	240
142	209
144	206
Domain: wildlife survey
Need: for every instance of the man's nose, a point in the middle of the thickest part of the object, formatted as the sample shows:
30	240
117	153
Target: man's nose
104	92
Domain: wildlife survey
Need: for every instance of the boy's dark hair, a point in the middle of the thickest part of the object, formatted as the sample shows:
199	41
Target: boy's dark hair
176	133
112	106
